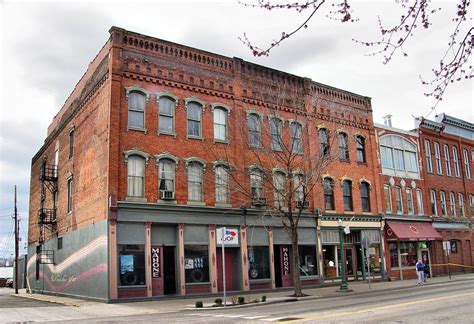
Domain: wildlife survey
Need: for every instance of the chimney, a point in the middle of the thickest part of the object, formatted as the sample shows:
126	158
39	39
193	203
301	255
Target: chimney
387	120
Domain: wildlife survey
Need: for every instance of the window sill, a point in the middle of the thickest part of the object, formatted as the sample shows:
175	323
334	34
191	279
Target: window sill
166	133
197	283
131	286
144	130
199	138
168	202
362	163
367	213
330	211
308	277
224	205
195	203
219	141
255	146
349	212
135	199
263	280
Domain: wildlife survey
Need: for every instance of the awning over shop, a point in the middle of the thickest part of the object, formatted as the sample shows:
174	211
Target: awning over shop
397	231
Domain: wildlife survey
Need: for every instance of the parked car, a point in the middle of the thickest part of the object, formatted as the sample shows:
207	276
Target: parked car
9	283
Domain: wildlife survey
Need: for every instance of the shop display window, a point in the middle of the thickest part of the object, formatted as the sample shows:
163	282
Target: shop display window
408	255
131	265
329	261
259	262
393	255
308	264
196	263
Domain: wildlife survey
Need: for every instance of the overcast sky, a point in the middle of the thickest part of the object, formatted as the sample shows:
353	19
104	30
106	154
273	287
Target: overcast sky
46	47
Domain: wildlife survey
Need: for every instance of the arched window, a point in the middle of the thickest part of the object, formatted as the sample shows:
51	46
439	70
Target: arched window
347	194
442	196
296	134
135	176
360	148
452	203
279	180
220	124
276	129
222	184
398	153
253	122
467	166
194	115
343	146
456	162
365	196
324	142
195	171
461	204
256	186
328	186
166	107
136	110
166	178
434	207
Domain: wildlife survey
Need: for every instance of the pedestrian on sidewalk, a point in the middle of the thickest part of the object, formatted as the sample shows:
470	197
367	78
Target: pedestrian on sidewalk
420	271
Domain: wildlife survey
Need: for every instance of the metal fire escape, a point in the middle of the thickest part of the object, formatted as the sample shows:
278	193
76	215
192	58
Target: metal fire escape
47	216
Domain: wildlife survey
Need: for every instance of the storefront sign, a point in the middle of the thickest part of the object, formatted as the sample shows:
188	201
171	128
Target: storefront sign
155	262
286	261
231	236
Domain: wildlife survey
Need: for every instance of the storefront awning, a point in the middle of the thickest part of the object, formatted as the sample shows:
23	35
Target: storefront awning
411	232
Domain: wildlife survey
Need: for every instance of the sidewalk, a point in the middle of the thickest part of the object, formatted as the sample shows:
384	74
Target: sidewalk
75	309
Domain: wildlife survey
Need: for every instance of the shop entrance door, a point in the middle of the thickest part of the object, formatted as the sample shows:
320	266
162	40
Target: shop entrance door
169	270
231	257
425	257
351	262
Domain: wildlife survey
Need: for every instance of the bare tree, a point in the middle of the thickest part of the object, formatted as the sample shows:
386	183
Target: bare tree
280	175
455	64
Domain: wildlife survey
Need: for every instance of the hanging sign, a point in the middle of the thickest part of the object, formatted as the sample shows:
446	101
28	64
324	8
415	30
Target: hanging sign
231	236
286	260
155	262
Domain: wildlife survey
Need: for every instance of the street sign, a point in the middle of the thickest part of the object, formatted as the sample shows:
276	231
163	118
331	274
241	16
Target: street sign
231	236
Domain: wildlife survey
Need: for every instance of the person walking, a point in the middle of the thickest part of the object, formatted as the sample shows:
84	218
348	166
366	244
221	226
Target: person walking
420	271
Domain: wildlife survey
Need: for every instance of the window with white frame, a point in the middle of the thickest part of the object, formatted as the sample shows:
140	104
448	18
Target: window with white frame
324	142
398	153
195	176
360	140
429	163
387	193
399	200
279	179
467	165
442	196
434	207
166	114
136	110
254	128
343	146
296	134
256	185
220	124
222	184
452	203
439	168
365	196
194	116
276	128
461	204
69	194
419	202
328	186
136	176
166	169
457	171
298	184
447	160
409	201
347	195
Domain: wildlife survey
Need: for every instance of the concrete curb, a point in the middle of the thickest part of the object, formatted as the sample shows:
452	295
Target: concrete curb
268	302
47	300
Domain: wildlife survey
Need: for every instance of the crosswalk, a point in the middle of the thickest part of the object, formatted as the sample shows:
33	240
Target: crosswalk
246	316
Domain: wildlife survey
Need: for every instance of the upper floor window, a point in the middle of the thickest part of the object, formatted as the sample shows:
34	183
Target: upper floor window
136	176
360	140
298	185
347	195
222	184
387	193
276	129
434	207
279	179
195	176
398	153
194	115
399	200
167	178
343	146
467	165
323	142
429	164
166	106
328	186
439	168
256	185
69	194
410	209
457	171
136	110
447	160
220	124
365	196
419	201
254	127
296	134
71	143
452	203
442	196
461	204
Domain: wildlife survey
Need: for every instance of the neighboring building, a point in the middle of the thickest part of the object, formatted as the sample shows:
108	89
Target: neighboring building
447	152
409	234
132	183
5	273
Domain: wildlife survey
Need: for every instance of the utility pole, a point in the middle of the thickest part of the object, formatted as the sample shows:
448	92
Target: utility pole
16	246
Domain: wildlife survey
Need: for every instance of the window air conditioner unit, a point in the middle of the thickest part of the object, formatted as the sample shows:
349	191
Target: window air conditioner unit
259	201
302	204
166	194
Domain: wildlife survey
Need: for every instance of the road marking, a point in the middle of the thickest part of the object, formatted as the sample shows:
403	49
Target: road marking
254	317
273	319
372	309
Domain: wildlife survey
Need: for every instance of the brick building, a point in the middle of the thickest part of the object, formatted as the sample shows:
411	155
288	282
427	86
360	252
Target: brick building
132	184
447	146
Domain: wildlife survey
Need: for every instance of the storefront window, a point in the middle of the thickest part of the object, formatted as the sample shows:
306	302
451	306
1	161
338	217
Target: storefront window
408	254
259	262
196	263
375	260
329	261
308	265
393	255
132	265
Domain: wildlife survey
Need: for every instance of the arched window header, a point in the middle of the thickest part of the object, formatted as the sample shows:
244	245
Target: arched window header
253	112
158	95
397	141
221	163
136	151
279	170
220	105
194	159
167	156
137	88
195	100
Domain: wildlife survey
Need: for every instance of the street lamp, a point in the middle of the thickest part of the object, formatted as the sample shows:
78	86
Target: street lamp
343	287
